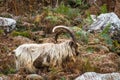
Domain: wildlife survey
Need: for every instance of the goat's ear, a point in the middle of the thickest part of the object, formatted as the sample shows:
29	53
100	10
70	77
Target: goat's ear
71	43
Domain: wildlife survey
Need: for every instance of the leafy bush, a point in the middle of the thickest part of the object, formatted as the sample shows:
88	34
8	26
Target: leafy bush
81	35
81	3
88	20
105	35
67	10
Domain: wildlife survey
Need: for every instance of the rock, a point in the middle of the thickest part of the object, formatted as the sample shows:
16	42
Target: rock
8	24
21	40
106	22
3	77
103	20
98	76
34	77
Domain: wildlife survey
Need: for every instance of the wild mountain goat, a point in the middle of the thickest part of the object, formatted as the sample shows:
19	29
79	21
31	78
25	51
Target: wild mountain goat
35	56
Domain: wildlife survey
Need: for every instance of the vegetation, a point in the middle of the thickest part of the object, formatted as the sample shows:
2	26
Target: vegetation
104	8
1	32
43	15
24	33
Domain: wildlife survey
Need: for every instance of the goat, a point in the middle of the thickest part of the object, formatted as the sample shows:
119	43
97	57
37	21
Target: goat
34	56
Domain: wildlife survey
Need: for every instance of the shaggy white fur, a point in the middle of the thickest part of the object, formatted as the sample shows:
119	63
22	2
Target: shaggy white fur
33	56
27	53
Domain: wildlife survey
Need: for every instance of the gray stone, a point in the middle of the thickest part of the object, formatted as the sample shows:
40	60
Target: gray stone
8	24
4	77
33	77
98	76
103	20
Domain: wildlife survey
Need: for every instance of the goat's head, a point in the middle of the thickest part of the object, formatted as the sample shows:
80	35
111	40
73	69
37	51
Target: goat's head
73	42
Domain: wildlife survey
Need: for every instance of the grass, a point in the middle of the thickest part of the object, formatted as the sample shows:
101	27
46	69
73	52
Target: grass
103	8
9	71
24	33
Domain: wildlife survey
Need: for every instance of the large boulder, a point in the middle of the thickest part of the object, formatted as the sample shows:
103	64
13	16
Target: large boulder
104	20
7	24
98	76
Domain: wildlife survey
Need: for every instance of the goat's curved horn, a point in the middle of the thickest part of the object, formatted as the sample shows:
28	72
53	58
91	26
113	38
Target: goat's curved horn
67	29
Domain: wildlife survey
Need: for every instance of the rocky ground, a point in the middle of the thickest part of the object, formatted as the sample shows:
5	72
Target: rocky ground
100	60
98	52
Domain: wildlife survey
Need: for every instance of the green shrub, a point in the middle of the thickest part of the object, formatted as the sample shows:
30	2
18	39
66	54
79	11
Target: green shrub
106	29
88	20
82	4
24	33
105	35
81	35
66	10
90	50
104	8
63	78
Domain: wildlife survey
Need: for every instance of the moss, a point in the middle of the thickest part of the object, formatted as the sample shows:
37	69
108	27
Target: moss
9	71
63	78
24	33
1	32
90	50
1	74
